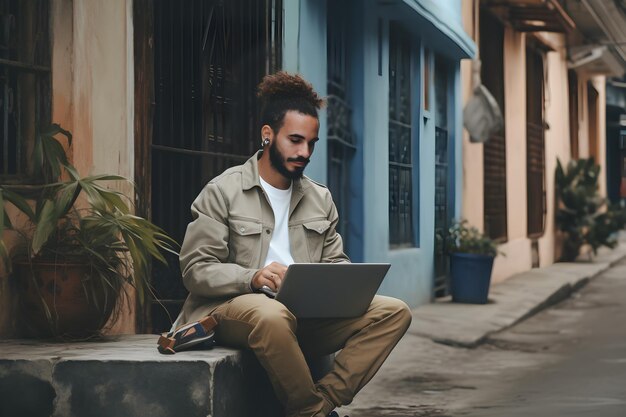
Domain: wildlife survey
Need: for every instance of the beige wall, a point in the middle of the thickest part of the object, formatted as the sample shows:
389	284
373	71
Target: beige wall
102	79
101	90
557	143
92	93
472	206
599	83
518	247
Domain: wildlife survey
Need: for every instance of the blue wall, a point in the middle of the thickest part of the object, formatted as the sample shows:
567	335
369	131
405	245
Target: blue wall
435	28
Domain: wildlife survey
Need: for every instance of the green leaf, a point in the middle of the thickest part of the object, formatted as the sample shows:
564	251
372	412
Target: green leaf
72	172
93	196
4	254
55	129
54	157
140	268
3	250
102	198
19	202
2	222
46	224
49	155
67	196
114	200
105	177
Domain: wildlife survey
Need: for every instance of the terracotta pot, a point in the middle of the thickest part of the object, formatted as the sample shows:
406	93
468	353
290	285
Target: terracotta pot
78	305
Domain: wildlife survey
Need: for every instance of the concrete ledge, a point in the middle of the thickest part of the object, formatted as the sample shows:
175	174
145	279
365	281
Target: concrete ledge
126	376
511	301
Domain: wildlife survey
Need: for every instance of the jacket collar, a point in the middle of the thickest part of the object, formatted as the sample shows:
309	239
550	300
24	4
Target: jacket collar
250	176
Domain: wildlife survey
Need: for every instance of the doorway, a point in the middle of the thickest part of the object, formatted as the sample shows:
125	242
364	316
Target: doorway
205	58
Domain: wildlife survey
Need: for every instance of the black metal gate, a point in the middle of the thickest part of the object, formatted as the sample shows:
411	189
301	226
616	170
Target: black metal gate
209	55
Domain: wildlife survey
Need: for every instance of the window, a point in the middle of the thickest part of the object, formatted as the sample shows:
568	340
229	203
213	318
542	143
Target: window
592	100
341	140
442	175
535	147
24	82
401	229
426	80
622	147
494	150
572	80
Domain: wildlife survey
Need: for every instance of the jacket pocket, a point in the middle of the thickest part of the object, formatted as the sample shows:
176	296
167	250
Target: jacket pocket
244	242
315	235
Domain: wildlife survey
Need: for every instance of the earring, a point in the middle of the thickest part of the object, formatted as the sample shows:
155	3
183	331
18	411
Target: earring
266	142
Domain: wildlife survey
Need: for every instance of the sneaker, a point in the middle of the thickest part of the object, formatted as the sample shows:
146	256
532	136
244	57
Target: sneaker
188	335
334	414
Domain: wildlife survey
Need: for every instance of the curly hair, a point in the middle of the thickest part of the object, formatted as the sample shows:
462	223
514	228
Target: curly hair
282	92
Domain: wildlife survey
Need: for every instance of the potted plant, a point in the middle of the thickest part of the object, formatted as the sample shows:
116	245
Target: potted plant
471	261
80	247
583	216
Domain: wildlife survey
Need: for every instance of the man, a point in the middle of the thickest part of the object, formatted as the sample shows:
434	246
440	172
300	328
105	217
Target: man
249	224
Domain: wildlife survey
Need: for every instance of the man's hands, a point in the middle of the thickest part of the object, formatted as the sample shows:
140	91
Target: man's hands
272	276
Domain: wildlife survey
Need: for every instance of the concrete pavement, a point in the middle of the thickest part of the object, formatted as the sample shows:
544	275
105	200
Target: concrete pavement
511	301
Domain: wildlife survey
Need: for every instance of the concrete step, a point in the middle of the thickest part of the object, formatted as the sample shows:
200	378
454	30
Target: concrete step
125	376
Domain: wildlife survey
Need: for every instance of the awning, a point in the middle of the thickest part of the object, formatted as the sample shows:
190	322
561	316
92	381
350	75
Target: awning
435	22
533	15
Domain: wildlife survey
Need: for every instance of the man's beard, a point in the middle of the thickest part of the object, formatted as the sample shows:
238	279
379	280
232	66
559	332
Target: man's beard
278	161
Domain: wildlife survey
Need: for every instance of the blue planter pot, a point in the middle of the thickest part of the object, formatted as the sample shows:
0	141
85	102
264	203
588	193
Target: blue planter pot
470	277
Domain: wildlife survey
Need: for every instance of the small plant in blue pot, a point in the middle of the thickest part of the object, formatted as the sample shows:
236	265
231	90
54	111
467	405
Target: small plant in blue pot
471	261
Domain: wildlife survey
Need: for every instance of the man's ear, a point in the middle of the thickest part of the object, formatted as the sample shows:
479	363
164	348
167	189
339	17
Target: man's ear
267	132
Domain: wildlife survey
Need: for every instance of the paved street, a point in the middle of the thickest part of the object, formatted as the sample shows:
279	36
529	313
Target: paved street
589	377
569	360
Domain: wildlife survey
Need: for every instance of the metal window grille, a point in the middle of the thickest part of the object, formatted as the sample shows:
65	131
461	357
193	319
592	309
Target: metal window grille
495	205
535	147
341	138
572	81
401	231
209	57
494	150
592	121
442	162
24	82
622	149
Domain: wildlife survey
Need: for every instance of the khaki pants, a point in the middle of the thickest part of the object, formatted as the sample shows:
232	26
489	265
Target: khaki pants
281	343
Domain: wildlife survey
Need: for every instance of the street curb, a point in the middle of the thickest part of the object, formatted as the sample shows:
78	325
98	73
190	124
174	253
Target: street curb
512	301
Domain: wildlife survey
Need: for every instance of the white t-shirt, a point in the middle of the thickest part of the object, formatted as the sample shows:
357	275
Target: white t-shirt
279	250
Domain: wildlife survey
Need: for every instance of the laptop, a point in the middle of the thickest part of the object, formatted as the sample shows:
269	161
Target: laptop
330	290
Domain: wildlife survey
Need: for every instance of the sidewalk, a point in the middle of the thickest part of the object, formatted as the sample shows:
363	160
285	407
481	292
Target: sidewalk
511	301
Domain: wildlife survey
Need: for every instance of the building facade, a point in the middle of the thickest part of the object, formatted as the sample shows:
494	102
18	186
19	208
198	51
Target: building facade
551	90
162	92
392	149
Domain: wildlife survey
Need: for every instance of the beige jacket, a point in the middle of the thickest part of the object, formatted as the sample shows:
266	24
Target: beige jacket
228	239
